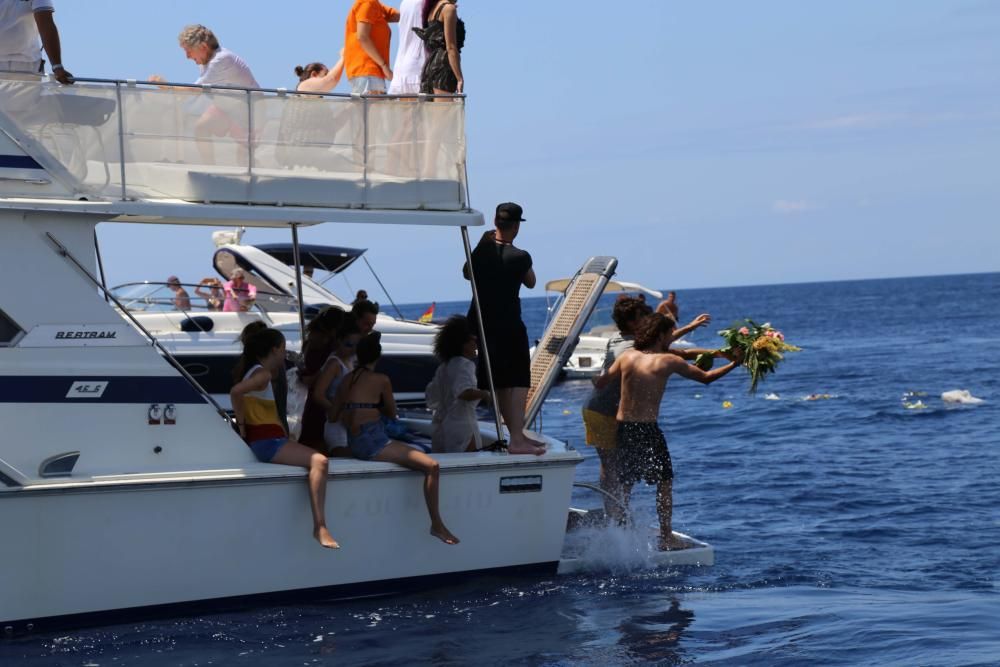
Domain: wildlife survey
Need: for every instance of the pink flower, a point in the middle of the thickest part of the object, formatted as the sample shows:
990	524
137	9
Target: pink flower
744	331
775	334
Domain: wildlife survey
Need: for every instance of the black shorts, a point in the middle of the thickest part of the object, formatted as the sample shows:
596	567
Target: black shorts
642	453
510	359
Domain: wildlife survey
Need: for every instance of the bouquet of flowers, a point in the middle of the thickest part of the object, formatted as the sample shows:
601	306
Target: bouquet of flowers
763	347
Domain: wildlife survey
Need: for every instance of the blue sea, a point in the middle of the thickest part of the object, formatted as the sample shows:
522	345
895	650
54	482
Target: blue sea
862	528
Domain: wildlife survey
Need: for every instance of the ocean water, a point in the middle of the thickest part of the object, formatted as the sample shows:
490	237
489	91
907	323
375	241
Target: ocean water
859	529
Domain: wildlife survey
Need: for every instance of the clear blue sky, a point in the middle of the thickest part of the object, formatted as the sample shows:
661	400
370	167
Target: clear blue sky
704	144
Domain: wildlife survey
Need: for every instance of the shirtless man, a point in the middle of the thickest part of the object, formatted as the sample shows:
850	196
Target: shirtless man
642	450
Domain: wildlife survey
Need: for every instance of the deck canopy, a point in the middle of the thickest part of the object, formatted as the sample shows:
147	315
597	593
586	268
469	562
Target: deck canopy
139	151
323	257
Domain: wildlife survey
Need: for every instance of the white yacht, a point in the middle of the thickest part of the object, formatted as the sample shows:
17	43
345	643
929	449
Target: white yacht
205	340
124	489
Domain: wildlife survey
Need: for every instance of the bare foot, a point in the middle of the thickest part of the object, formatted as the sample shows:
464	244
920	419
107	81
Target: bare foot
443	534
524	446
323	536
672	543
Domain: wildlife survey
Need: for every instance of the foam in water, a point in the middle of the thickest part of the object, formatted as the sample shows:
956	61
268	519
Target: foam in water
611	548
961	396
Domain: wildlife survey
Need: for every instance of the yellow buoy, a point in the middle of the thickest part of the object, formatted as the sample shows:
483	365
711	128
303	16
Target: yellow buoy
726	405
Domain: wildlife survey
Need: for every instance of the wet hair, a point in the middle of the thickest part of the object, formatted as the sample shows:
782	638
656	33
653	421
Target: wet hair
452	337
309	70
650	328
193	35
369	349
257	344
627	309
364	307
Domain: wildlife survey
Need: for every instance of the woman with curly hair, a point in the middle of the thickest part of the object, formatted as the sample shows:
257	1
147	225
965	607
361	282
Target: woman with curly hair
454	393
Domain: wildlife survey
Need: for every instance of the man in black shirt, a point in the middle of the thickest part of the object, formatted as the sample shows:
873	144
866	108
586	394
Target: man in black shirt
500	270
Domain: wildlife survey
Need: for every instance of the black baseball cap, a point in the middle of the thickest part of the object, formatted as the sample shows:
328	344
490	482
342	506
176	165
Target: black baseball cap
510	212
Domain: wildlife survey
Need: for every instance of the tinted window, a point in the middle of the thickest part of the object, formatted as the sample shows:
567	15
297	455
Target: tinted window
8	329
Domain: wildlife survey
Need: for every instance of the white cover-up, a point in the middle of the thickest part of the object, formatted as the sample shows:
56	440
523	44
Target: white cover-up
410	55
455	422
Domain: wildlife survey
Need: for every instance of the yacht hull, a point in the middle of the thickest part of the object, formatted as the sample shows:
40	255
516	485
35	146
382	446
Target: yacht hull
121	547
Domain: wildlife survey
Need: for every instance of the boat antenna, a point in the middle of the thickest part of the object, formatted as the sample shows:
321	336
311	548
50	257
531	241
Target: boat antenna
384	290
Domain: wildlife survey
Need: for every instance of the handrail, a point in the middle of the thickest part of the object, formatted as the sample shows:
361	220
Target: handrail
276	91
63	251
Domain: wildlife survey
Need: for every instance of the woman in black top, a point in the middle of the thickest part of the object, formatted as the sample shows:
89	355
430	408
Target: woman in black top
444	36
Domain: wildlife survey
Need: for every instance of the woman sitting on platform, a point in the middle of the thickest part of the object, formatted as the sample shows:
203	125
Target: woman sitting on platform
454	391
257	416
363	399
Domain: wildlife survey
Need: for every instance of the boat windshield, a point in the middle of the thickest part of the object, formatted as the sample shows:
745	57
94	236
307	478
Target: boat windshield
160	298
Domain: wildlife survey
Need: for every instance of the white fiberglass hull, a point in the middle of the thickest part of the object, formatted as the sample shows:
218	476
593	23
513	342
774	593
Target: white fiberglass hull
125	544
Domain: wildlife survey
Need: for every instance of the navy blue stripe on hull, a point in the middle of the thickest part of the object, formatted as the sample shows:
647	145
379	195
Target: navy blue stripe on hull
301	596
18	162
119	389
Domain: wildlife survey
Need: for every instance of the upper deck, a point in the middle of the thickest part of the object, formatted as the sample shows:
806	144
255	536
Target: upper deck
137	147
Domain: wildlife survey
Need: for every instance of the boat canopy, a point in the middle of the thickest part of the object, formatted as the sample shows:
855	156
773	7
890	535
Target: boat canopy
325	258
132	149
561	284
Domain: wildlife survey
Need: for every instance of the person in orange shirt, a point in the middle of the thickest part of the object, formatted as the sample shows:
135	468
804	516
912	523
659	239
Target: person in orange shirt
366	46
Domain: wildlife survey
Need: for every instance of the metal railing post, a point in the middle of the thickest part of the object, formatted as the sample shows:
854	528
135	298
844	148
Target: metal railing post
298	283
364	156
483	349
249	134
121	137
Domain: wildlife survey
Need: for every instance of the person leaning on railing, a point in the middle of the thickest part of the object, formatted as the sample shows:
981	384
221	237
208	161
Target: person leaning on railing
27	27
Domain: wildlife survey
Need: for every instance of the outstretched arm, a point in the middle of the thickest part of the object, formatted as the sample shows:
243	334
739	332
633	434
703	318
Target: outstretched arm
699	321
692	372
49	33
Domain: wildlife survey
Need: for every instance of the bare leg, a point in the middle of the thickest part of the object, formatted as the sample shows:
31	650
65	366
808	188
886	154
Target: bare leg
400	454
204	129
609	482
626	498
665	508
512	401
296	454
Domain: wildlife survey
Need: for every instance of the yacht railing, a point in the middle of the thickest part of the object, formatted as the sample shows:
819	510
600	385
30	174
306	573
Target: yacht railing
106	139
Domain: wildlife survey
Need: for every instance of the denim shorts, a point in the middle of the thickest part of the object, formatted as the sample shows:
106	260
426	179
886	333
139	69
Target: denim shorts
265	450
372	439
367	85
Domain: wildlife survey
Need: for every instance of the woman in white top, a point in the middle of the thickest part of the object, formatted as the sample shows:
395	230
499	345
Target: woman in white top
454	393
410	55
337	367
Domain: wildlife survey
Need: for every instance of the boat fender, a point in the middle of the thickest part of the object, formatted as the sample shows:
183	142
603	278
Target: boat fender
198	323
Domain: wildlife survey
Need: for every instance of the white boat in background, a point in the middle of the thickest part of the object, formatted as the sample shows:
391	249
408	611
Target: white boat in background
587	357
205	341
